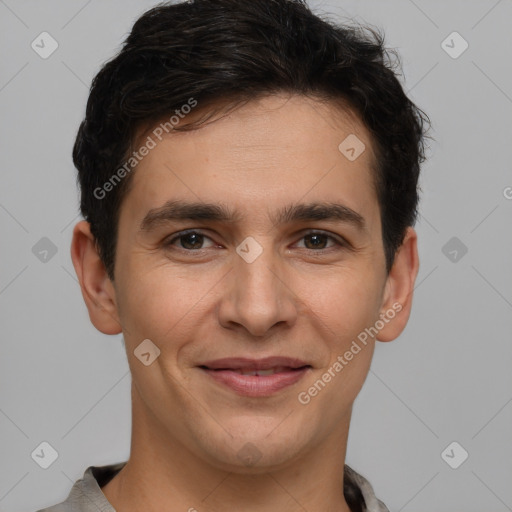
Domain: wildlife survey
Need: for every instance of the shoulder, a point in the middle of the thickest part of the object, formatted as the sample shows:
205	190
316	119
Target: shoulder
86	494
359	493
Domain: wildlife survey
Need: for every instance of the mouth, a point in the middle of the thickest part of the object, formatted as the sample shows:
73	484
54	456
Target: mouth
268	371
256	378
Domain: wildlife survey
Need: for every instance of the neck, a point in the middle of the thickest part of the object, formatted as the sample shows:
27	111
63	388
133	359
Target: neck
163	474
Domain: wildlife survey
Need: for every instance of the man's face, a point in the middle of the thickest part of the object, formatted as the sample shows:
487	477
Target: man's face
298	288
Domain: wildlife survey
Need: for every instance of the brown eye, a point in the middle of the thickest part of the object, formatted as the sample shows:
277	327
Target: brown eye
190	241
319	241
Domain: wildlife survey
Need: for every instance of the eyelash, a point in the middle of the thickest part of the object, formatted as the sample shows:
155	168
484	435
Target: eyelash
339	242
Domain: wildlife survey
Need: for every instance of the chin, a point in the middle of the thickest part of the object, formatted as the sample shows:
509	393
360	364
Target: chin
254	445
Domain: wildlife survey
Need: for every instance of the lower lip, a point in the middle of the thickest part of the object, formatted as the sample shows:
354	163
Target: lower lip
257	385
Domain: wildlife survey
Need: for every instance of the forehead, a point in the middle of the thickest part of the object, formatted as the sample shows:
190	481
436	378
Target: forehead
276	149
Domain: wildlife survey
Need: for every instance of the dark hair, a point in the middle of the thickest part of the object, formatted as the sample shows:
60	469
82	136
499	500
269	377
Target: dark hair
234	51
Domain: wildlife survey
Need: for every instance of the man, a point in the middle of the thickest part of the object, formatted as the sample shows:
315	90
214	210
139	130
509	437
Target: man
248	180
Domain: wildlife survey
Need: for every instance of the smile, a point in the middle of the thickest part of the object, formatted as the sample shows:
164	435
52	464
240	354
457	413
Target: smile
256	378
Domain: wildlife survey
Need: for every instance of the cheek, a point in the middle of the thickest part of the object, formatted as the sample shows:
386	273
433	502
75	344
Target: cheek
344	301
159	302
343	307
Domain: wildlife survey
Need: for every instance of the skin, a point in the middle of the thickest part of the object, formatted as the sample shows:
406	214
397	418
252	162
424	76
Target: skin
296	299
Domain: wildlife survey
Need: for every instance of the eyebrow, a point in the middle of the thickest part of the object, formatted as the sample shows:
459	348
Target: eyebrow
316	211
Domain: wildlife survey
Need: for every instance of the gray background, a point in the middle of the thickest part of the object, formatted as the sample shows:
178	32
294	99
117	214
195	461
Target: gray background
447	378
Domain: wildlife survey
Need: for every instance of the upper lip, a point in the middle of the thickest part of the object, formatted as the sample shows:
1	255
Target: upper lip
244	363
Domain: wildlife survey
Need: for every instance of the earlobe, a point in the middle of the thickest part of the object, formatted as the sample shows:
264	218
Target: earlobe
398	294
97	289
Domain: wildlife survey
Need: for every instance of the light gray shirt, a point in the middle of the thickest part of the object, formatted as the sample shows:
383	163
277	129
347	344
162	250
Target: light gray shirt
86	494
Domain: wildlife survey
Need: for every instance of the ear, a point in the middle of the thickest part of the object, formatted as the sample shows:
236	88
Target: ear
399	287
97	289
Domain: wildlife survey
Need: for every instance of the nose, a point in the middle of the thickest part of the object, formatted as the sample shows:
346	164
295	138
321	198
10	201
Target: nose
257	295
